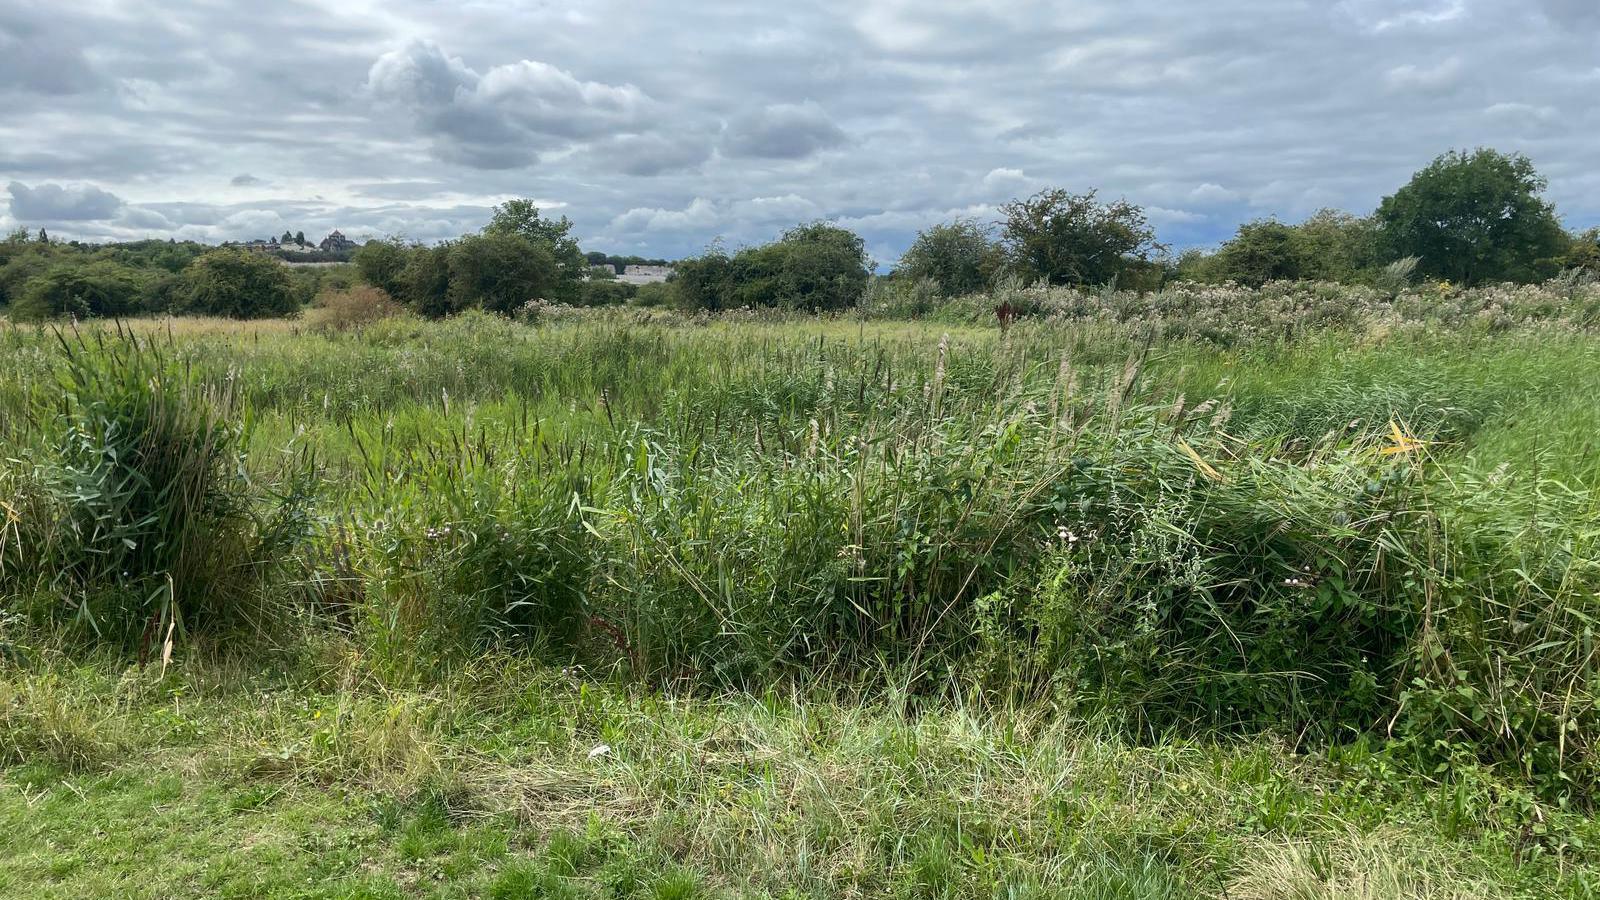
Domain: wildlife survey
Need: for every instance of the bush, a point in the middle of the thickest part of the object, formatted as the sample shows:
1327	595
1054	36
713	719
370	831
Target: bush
425	283
239	284
85	291
655	294
600	292
352	309
1261	252
1074	239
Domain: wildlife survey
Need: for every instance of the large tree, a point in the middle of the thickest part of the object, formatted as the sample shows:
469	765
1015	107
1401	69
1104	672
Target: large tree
1069	238
1474	217
521	217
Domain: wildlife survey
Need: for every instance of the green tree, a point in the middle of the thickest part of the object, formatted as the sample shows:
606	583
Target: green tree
240	285
704	281
823	267
425	281
1583	252
300	238
1260	252
1474	217
43	238
500	272
815	266
1337	246
287	237
96	289
522	217
1074	239
958	256
381	264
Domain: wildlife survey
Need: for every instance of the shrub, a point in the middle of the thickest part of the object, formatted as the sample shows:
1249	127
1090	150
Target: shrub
239	284
1075	239
352	309
1261	252
599	292
425	282
660	293
94	290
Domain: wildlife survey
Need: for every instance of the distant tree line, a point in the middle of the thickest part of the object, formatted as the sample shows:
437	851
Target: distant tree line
41	279
1468	218
618	263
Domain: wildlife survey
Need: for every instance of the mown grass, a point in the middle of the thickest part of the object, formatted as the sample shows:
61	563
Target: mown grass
1084	608
515	780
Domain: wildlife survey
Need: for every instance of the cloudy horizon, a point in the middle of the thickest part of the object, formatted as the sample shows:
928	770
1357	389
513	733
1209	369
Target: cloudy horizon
659	129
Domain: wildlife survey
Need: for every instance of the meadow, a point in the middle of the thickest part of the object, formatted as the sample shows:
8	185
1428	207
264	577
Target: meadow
1206	592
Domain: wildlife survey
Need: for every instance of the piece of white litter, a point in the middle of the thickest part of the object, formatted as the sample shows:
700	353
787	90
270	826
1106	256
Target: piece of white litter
599	750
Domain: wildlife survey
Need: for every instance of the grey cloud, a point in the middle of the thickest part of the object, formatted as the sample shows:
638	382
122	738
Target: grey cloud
399	190
245	180
659	127
37	57
140	219
504	117
57	203
1572	12
651	154
782	131
1435	78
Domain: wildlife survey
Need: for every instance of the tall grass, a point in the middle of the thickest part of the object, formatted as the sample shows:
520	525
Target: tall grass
136	515
1326	519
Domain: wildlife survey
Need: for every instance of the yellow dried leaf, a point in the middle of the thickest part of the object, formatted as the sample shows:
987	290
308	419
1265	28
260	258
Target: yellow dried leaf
1204	467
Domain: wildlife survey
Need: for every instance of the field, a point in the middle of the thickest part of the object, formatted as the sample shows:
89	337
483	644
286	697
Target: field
1209	593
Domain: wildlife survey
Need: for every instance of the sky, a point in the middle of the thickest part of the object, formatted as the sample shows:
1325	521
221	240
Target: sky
659	128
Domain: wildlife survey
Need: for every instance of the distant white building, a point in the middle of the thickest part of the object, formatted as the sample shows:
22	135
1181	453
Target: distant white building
644	274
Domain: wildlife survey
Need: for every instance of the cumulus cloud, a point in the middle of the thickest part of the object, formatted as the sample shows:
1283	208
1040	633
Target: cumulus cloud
699	214
782	131
245	180
504	117
61	203
1438	77
651	153
1210	193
